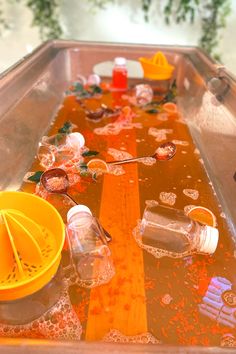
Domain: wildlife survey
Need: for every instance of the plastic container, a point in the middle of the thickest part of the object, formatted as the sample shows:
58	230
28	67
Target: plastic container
157	73
156	67
31	307
119	75
219	302
56	149
143	94
175	235
36	84
47	314
89	251
32	235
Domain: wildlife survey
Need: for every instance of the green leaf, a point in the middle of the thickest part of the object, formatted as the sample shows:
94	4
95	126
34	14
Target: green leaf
84	173
96	89
83	166
58	138
94	176
152	111
78	86
66	128
90	153
35	177
171	94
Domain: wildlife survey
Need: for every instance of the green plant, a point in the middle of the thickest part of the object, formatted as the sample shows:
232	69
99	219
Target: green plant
45	16
212	13
100	3
181	11
3	21
213	20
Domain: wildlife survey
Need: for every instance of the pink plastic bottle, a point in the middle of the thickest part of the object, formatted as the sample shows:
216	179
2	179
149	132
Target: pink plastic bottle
119	74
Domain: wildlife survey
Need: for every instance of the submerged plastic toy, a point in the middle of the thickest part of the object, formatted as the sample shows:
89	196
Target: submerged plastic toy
219	302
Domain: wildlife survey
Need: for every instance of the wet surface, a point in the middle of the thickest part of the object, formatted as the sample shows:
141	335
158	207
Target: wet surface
147	295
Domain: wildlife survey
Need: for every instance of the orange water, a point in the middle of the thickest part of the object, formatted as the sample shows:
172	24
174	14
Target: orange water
146	295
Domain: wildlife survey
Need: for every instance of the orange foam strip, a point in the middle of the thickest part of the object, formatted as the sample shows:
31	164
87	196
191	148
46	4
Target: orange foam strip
121	303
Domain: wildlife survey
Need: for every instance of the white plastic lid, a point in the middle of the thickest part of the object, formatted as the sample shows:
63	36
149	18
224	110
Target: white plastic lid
209	240
94	79
120	61
78	209
76	139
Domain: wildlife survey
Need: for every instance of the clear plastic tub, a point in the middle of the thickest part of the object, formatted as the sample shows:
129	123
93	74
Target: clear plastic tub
32	91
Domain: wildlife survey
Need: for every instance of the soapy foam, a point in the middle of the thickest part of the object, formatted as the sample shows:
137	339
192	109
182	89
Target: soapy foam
168	198
116	170
191	193
159	134
187	208
148	161
162	117
58	323
118	154
115	336
123	155
116	128
180	142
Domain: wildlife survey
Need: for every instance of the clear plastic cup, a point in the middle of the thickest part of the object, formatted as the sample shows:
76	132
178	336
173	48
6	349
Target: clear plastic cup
58	149
46	156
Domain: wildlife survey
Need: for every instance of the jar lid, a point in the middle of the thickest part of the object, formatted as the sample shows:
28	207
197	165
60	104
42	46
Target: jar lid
210	241
80	208
120	61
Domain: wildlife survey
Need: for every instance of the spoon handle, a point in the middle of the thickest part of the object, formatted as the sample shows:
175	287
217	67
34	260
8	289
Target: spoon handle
122	162
107	235
69	196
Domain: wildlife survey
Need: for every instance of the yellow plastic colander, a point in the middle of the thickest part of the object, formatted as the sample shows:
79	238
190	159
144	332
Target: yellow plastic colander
31	239
157	67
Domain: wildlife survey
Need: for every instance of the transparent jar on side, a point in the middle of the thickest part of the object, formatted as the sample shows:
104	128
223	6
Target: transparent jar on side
173	234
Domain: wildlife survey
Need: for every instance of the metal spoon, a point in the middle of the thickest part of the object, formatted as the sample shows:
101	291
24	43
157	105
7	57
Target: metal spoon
56	181
164	152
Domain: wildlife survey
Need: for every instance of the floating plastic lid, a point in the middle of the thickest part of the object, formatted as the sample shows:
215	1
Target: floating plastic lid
209	240
78	209
94	79
76	139
31	239
157	67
